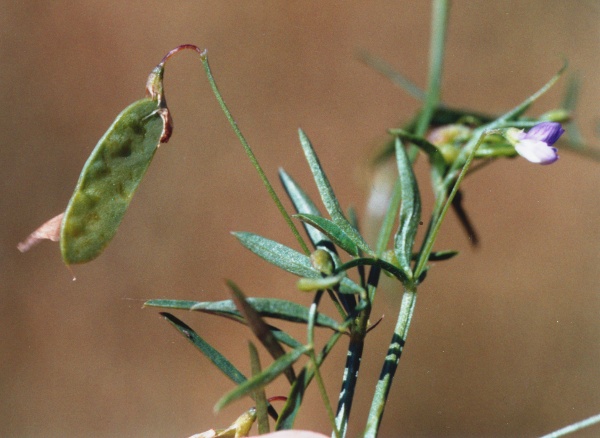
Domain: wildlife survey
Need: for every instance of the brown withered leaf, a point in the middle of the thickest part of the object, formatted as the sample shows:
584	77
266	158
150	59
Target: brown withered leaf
49	230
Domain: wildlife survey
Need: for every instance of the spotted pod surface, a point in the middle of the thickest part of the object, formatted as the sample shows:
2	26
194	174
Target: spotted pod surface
108	181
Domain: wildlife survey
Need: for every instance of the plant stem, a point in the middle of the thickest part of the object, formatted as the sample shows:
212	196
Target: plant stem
353	359
358	332
290	410
251	155
406	311
438	218
391	361
313	358
574	427
439	22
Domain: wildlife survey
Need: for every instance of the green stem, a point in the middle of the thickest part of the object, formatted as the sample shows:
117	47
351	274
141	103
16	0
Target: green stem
391	361
428	246
439	24
288	414
251	155
436	56
358	332
313	358
574	427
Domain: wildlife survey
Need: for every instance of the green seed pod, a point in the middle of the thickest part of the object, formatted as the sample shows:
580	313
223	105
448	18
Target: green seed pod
112	173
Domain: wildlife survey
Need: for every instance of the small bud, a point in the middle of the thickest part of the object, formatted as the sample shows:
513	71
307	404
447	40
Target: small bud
321	261
449	139
559	115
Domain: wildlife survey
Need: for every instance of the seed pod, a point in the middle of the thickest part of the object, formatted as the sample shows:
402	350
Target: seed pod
110	177
112	173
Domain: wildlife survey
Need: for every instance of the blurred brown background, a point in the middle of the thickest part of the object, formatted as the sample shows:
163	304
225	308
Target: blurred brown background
505	339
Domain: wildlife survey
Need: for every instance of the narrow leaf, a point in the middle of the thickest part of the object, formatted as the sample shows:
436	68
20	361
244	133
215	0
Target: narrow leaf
296	395
278	254
328	196
430	149
438	256
259	395
464	219
569	103
262	379
302	204
287	259
438	165
260	328
410	210
380	66
210	352
347	286
331	230
523	106
266	307
284	338
367	261
287	416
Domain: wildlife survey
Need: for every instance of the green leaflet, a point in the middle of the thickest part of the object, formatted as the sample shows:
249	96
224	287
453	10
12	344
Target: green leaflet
328	196
277	254
259	327
210	352
288	259
395	77
263	378
265	307
303	204
108	181
410	210
438	256
517	111
367	261
331	230
259	395
305	376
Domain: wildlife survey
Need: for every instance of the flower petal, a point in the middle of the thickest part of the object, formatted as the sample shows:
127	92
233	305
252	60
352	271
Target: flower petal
547	132
536	151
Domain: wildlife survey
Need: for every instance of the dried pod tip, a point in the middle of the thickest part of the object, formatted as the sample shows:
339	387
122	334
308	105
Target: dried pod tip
154	84
155	90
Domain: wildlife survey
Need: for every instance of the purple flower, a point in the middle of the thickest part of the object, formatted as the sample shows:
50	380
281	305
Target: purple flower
536	145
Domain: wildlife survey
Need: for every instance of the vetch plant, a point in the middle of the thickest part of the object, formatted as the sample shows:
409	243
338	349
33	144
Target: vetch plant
335	260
